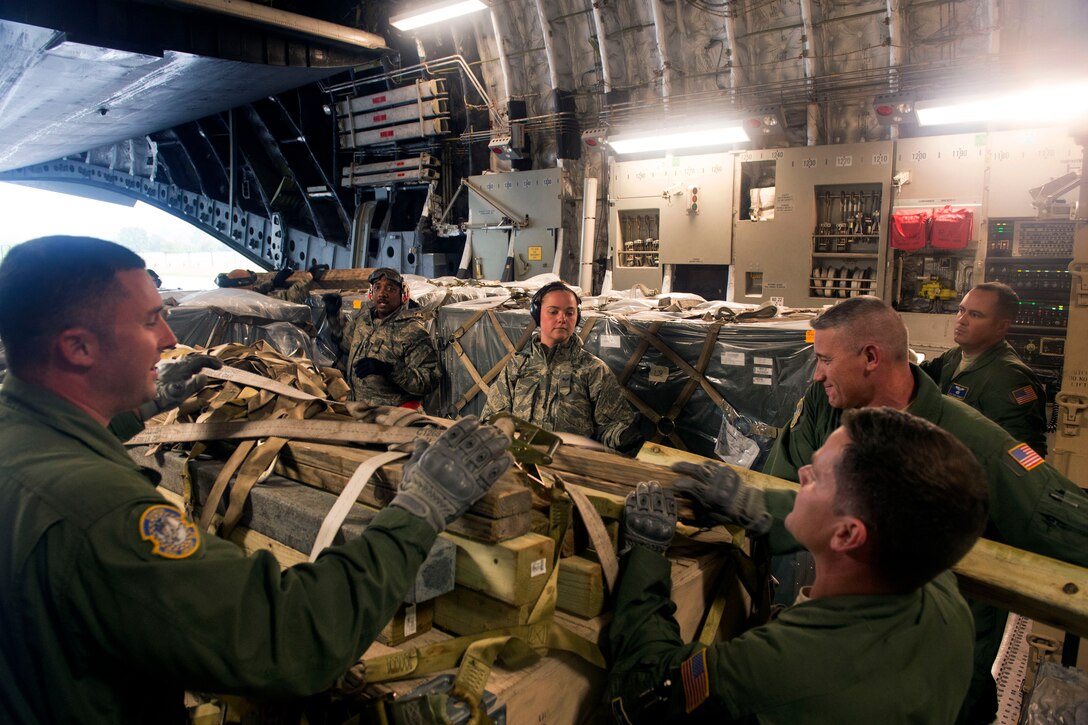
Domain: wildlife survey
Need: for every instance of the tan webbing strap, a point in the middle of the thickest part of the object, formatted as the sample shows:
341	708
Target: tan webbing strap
709	389
610	565
237	458
632	364
253	380
636	356
496	369
187	479
455	343
587	328
347	498
700	367
258	467
713	618
306	430
426	660
501	332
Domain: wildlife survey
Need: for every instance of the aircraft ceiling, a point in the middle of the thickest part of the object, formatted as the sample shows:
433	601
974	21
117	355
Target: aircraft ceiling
171	92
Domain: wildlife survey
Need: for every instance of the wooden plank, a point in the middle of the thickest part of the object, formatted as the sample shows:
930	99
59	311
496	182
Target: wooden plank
510	494
694	582
580	587
410	621
291	514
464	611
1038	587
471	524
513	571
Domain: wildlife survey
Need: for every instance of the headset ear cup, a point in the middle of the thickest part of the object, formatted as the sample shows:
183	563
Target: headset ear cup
405	294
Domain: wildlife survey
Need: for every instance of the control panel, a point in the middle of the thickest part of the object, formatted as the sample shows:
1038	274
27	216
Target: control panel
1032	256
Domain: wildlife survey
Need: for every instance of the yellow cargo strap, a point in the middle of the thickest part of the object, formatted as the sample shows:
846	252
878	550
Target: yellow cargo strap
475	654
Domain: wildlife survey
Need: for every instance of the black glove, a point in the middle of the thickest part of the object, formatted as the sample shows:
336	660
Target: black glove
372	366
280	280
318	271
631	438
719	490
441	481
333	302
649	517
178	380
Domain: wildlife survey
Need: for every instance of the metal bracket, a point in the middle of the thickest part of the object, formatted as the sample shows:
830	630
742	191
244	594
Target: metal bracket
1072	407
526	439
1079	271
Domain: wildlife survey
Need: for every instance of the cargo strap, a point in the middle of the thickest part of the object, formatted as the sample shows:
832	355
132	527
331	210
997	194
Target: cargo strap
696	375
475	654
602	544
483	382
344	431
347	498
253	380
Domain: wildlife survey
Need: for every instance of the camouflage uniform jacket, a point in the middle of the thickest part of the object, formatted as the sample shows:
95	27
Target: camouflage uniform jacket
402	340
564	389
298	292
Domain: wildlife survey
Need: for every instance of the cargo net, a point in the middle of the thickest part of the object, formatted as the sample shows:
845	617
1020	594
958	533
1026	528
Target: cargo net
698	383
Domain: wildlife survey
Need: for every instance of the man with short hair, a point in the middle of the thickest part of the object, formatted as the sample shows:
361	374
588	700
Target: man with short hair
881	636
861	361
386	353
985	372
555	384
112	601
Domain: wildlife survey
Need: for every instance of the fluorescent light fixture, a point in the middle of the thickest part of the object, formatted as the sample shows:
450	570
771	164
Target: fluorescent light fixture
700	138
1042	105
435	13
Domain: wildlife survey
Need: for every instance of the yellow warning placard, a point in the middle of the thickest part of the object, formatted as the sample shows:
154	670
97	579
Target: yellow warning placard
536	254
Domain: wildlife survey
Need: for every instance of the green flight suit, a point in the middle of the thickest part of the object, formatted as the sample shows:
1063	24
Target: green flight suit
1000	386
563	389
400	339
1035	509
852	659
112	603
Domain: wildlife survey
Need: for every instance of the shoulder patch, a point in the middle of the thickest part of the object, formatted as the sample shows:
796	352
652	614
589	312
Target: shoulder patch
958	391
1024	395
1026	456
696	680
798	412
171	533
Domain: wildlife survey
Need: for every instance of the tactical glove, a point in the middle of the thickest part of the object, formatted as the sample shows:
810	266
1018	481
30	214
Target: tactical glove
178	380
649	517
371	366
280	280
719	490
333	302
631	438
442	481
318	271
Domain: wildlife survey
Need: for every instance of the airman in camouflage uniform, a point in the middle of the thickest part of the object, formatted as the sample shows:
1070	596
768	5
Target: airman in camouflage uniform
386	354
555	384
277	287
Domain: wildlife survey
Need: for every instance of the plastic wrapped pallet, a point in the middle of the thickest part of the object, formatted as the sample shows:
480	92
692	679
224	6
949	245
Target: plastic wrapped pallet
752	377
214	317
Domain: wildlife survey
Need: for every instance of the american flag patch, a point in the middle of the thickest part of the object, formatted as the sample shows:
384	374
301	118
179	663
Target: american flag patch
696	682
1024	395
1025	456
